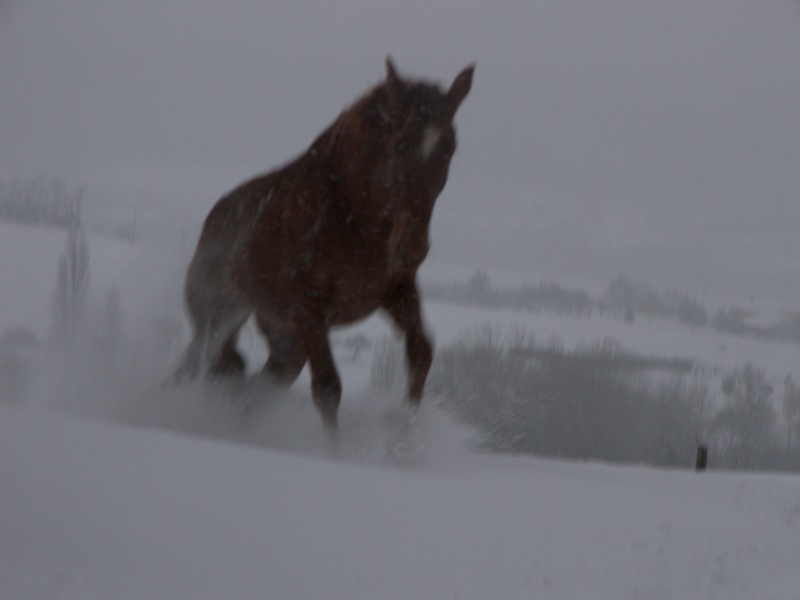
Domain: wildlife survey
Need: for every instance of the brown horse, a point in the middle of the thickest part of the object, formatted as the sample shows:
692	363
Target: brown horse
328	239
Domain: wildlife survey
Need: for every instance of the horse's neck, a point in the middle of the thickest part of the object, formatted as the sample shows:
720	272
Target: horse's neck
357	163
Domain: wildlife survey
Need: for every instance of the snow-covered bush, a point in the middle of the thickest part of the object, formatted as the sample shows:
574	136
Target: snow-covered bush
744	428
597	402
387	371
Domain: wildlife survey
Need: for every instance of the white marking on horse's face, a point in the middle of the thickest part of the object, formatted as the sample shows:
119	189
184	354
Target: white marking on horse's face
430	137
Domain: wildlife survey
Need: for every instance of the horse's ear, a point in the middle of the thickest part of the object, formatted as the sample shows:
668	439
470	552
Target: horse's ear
459	90
391	72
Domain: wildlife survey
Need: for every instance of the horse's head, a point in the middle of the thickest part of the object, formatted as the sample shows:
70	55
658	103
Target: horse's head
420	146
421	117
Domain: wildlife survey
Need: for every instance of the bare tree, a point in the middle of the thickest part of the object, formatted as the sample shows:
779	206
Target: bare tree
41	202
72	288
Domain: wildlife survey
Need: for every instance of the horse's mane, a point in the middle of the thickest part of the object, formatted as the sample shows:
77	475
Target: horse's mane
362	124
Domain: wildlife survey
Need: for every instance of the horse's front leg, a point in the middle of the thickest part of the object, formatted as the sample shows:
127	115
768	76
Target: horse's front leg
326	387
403	305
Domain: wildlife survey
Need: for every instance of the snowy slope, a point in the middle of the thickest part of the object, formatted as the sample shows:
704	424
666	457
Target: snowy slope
91	510
115	488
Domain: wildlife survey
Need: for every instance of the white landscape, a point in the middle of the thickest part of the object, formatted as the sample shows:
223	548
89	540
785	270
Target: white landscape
116	488
652	145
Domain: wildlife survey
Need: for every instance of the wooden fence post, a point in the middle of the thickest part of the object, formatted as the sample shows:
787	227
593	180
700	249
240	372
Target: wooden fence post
702	458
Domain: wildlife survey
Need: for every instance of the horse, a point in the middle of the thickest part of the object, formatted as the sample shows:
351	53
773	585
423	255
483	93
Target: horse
326	240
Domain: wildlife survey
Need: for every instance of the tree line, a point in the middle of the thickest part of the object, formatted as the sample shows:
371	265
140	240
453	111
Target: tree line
623	297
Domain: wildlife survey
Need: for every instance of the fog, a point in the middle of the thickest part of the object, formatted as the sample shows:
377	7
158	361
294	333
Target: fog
659	139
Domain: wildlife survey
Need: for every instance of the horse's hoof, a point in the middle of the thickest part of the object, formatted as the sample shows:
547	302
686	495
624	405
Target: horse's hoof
232	367
330	423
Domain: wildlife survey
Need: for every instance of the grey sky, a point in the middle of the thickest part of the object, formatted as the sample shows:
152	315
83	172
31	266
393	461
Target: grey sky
657	138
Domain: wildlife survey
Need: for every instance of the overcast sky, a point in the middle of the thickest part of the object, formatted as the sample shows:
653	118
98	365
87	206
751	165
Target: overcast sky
659	138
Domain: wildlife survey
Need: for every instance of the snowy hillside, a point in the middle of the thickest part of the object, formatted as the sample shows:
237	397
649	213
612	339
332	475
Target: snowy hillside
116	488
91	511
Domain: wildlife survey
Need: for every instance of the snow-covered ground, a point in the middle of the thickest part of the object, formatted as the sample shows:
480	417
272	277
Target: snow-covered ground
92	510
115	488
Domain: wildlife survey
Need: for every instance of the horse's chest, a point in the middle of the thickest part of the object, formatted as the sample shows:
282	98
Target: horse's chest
344	265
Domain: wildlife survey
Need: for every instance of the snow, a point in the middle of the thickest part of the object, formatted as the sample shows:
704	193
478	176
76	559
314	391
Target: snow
95	510
115	488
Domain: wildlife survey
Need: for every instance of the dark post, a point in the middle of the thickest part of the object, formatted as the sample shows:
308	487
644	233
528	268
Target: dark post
702	458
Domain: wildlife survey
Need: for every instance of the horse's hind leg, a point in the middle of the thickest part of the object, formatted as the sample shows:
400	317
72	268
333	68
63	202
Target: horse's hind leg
286	354
326	387
289	349
228	363
291	345
212	350
286	359
216	319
